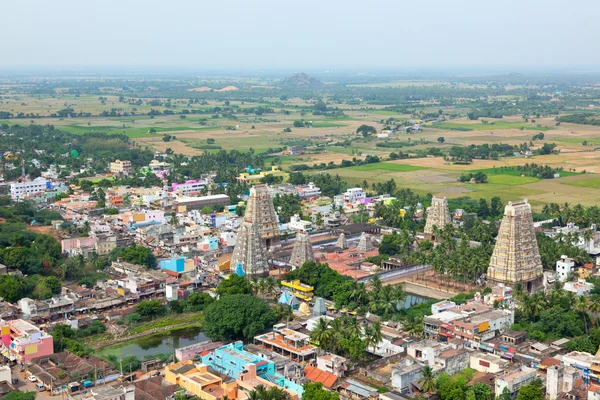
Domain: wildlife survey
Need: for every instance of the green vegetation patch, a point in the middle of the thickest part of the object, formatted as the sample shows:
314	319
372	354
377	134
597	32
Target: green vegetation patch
387	166
593	183
492	125
511	180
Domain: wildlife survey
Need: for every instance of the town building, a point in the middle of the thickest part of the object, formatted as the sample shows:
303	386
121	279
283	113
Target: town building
564	267
516	257
581	287
514	380
120	167
353	195
197	380
288	342
333	364
299	225
353	390
182	204
23	341
308	191
188	188
487	363
20	190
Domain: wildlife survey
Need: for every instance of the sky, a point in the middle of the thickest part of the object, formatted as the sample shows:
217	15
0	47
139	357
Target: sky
300	35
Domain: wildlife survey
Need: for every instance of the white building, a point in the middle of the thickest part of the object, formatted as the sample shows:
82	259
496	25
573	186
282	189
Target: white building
442	306
580	288
297	224
353	195
23	189
564	267
333	364
487	363
309	190
514	380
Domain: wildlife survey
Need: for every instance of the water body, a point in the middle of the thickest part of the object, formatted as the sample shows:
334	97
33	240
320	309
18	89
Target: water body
157	344
411	300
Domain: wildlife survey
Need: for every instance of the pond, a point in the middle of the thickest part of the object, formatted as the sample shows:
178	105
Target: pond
157	344
411	300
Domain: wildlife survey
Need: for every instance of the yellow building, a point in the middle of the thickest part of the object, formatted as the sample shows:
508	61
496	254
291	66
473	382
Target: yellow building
249	178
197	380
299	289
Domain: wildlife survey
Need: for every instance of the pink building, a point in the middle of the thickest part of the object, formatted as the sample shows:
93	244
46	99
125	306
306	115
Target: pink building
76	246
188	187
24	341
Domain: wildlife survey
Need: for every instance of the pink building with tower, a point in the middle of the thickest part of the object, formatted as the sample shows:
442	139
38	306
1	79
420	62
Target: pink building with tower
22	341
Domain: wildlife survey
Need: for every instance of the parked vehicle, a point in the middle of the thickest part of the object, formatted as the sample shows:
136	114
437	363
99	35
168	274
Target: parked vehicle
32	378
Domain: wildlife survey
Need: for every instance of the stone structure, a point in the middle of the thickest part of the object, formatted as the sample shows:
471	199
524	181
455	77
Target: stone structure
342	242
249	251
365	243
516	257
437	215
302	251
261	211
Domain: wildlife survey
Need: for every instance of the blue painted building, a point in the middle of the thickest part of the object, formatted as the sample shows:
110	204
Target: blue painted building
173	264
231	359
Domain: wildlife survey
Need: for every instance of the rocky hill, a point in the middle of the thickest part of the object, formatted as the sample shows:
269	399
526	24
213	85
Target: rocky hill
301	80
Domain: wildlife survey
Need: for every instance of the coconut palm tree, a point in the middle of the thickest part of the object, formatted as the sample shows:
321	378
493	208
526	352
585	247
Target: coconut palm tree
595	308
174	219
322	335
427	381
581	307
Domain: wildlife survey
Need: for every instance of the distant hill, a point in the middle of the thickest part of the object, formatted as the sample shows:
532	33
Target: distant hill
301	80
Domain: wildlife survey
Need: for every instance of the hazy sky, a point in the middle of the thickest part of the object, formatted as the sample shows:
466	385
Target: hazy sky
300	35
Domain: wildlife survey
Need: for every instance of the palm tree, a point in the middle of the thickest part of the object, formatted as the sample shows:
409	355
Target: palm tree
427	381
581	307
174	219
595	308
322	335
413	325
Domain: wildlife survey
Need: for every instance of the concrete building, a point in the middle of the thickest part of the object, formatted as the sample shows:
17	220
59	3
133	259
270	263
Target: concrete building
516	257
564	267
188	187
514	380
197	380
307	191
487	363
404	373
288	342
353	195
183	204
560	379
23	189
120	167
353	390
299	225
437	215
333	364
233	361
452	361
580	288
24	341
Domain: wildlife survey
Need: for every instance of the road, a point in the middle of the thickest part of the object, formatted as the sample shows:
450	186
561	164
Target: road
25	386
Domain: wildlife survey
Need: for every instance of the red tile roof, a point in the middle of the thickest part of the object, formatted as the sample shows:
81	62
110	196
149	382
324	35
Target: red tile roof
315	374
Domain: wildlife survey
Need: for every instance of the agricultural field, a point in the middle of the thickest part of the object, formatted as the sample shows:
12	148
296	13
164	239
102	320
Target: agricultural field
203	117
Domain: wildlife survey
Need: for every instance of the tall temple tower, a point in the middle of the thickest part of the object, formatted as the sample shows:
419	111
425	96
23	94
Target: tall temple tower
365	243
260	211
249	252
342	242
516	257
302	251
437	215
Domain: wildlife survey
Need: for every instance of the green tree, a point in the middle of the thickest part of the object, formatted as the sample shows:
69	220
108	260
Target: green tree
235	284
20	396
315	391
533	391
428	379
366	130
237	316
150	308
